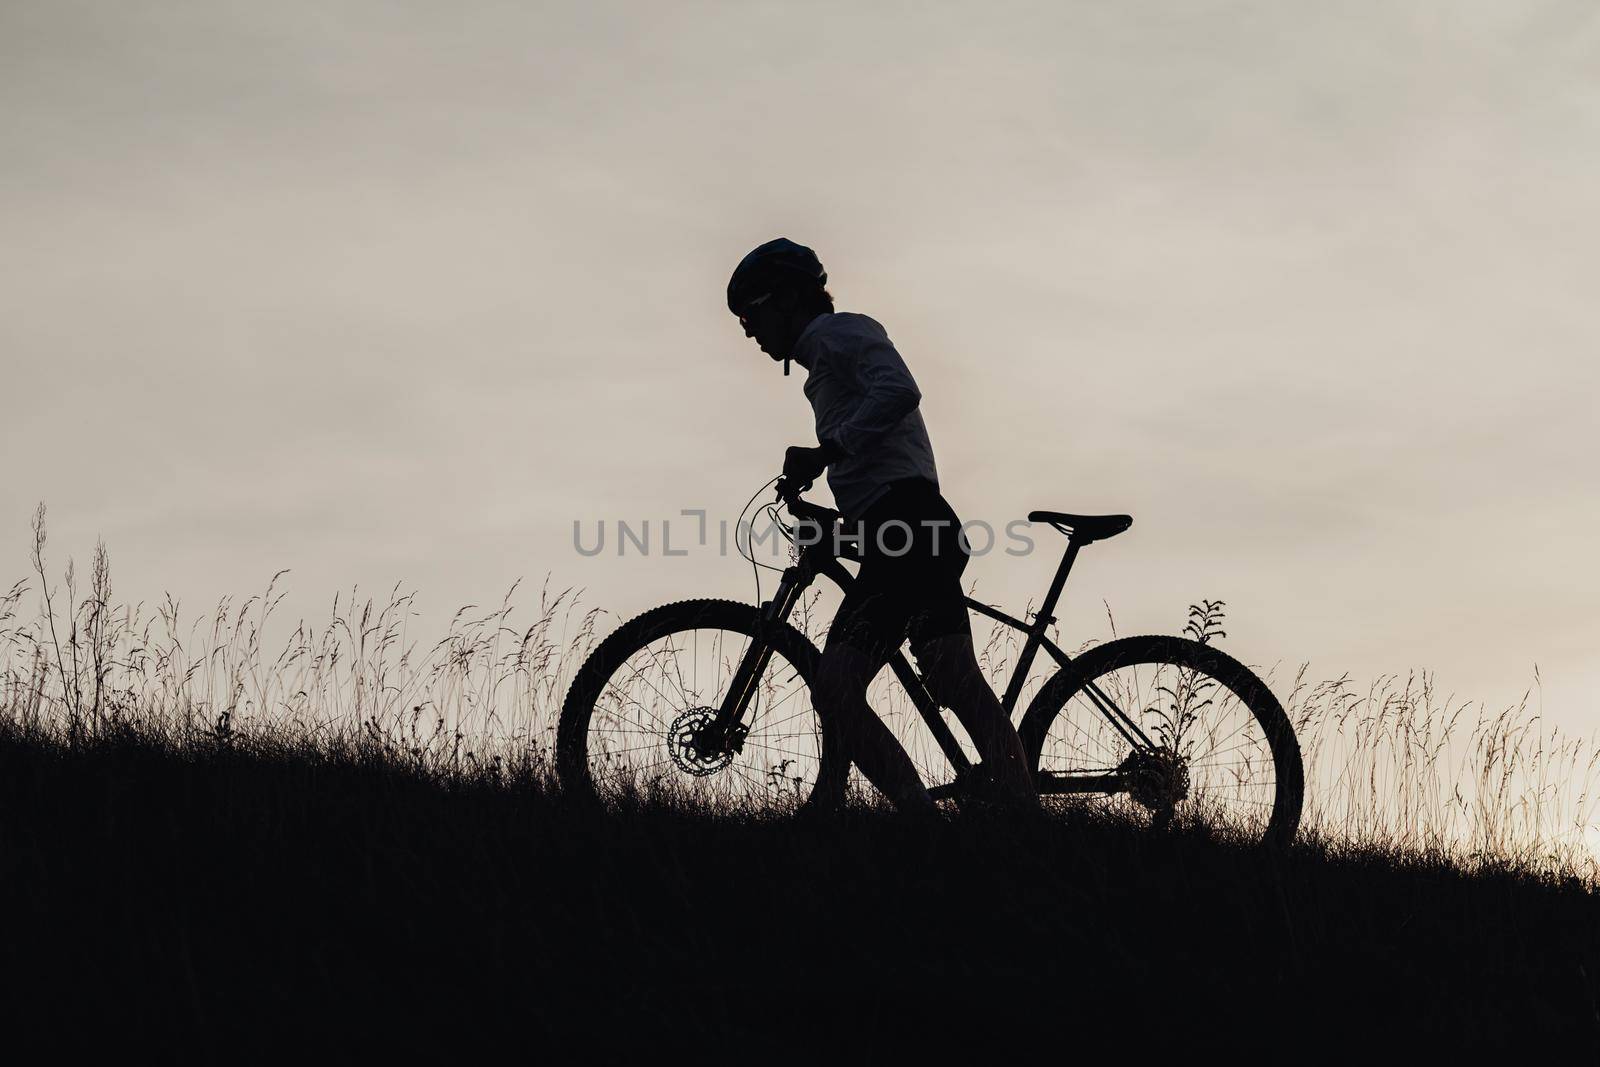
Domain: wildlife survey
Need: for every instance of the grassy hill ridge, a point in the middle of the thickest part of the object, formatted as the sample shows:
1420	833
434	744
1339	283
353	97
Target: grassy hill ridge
175	897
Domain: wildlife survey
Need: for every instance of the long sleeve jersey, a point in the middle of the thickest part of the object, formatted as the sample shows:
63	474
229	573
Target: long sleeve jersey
865	402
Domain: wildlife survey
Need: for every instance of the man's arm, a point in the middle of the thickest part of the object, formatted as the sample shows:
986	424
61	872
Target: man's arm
891	395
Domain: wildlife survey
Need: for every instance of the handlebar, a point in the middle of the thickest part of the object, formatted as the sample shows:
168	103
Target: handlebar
804	509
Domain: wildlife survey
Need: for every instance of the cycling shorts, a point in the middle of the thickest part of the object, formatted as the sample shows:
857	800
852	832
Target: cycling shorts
912	554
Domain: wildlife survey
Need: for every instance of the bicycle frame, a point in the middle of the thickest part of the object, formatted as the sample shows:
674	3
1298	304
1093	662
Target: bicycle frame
817	559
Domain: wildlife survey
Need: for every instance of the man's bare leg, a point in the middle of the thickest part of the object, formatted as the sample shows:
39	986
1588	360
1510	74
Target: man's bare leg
950	667
841	687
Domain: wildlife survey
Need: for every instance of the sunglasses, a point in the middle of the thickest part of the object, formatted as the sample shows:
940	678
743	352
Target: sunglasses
749	309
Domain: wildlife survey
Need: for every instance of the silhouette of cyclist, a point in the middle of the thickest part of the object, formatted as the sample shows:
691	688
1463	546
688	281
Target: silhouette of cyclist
875	448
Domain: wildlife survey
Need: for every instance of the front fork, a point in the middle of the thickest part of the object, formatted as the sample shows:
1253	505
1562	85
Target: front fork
727	731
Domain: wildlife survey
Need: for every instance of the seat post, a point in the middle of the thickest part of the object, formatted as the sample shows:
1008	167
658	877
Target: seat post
1045	617
1041	620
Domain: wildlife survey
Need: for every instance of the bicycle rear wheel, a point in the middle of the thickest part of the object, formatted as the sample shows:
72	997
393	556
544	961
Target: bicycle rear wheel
633	722
1225	759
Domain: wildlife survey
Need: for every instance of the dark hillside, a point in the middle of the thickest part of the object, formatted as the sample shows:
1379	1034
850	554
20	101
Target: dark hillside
186	899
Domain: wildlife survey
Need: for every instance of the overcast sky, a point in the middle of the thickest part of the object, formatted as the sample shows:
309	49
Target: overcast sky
397	292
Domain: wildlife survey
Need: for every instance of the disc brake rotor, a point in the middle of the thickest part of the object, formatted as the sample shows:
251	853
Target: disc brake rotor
685	744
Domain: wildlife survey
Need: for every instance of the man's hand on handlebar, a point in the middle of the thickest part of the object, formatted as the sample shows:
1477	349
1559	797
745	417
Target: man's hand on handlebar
802	465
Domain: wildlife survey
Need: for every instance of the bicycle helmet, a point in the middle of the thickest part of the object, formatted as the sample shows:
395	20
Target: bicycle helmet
770	266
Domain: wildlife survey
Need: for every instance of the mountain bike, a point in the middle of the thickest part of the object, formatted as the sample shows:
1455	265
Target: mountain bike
706	704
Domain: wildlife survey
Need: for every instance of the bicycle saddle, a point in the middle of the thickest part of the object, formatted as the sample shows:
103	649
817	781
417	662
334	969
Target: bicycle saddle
1085	528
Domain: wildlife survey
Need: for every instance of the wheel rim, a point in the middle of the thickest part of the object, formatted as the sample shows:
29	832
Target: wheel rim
645	732
1215	768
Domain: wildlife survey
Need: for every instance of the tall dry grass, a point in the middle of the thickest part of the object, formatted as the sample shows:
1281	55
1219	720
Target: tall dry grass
1392	766
485	691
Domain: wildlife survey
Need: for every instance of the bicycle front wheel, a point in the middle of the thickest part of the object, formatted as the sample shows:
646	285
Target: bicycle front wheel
1222	755
633	728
